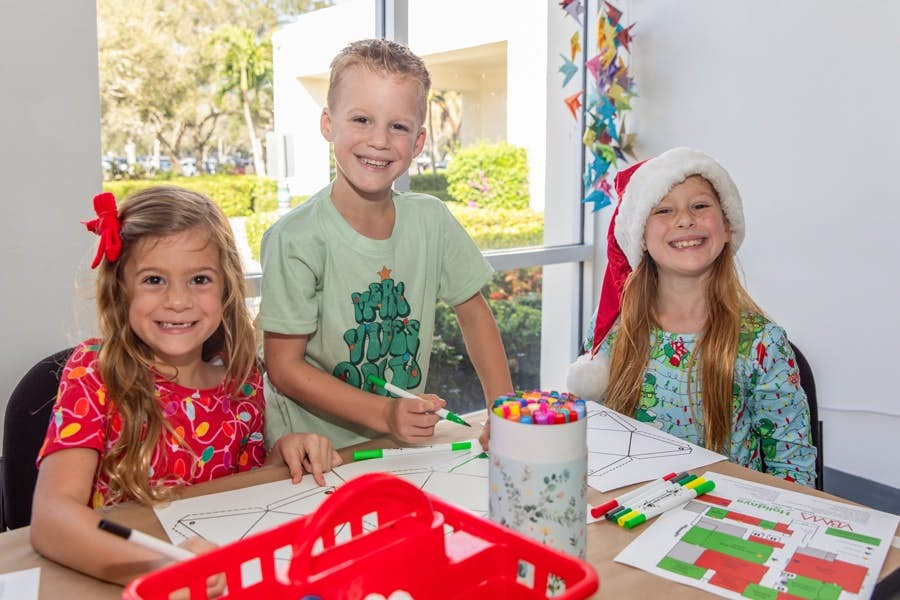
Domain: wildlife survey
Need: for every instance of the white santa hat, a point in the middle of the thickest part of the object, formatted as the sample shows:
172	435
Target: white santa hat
640	187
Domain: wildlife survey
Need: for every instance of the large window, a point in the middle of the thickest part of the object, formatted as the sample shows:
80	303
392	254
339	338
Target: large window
503	149
509	152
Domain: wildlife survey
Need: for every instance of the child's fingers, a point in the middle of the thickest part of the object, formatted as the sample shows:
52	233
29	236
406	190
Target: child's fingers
314	466
197	545
436	401
329	458
317	453
485	437
419	407
293	458
411	419
414	433
215	585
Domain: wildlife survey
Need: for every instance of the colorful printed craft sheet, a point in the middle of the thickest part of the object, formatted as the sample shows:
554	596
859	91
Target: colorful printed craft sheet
20	585
747	540
623	451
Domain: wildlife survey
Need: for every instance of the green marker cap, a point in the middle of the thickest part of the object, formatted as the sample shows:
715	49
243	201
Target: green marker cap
634	521
460	446
456	419
618	512
706	486
686	480
366	454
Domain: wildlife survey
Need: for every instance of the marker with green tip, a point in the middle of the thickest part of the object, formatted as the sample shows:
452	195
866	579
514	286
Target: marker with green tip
685	495
382	452
623	513
441	412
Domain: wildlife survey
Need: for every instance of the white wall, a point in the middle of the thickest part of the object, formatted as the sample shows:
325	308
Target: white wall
799	100
50	169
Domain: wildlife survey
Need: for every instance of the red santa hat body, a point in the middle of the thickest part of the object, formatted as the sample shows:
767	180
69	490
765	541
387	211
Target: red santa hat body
640	187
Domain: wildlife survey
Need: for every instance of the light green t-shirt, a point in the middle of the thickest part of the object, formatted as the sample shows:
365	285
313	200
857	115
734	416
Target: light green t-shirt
367	305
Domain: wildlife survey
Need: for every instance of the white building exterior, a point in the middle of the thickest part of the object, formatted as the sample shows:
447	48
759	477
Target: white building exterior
470	46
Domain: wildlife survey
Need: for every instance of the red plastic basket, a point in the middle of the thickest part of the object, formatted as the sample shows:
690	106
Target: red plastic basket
411	541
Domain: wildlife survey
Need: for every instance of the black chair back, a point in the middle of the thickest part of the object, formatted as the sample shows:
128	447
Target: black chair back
24	428
808	383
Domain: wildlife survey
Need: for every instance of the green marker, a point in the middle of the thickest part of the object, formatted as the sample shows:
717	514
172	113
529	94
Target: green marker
381	453
623	513
441	412
680	498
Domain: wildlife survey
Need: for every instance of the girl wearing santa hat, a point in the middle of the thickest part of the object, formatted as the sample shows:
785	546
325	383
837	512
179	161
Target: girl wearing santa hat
677	340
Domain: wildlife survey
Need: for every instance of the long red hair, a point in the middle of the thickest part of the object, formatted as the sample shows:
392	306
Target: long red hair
714	355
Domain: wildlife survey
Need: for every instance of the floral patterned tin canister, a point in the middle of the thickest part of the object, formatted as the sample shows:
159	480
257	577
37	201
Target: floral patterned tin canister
538	480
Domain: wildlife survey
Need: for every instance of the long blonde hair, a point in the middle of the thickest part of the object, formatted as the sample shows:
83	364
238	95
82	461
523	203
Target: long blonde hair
126	362
715	353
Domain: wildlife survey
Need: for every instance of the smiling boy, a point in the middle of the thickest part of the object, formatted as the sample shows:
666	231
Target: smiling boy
351	277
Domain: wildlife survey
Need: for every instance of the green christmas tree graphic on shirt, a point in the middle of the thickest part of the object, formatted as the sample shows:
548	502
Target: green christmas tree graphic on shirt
385	341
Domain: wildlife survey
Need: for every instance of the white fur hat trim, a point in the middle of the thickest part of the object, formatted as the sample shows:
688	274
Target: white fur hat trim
588	376
654	179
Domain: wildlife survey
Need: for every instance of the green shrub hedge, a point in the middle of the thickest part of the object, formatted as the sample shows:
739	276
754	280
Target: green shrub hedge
490	176
493	229
238	195
452	375
256	224
428	182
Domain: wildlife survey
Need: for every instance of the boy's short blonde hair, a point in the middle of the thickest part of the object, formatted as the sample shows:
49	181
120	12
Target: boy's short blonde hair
381	56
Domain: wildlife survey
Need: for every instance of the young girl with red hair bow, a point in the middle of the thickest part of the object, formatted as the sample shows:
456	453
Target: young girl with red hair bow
170	394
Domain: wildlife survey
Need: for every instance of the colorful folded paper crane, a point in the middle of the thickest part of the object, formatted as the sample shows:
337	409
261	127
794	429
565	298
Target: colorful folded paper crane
610	89
607	100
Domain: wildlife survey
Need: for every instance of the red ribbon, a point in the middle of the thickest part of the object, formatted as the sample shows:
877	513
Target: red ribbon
107	226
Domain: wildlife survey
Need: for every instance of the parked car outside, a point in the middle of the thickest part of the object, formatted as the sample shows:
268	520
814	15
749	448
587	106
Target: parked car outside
188	166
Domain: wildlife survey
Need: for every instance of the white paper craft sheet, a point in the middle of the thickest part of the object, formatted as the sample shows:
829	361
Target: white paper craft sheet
623	451
458	477
20	585
747	540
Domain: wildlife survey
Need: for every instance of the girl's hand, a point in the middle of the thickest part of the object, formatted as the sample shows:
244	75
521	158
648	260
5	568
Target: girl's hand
215	585
308	451
197	545
412	420
485	437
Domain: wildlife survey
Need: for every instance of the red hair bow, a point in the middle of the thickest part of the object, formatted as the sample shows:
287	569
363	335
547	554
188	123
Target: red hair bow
107	226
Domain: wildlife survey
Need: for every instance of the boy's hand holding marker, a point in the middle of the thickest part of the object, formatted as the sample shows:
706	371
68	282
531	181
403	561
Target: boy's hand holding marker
412	418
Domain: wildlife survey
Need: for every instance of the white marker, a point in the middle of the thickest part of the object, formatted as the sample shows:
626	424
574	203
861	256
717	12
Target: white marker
147	541
685	495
